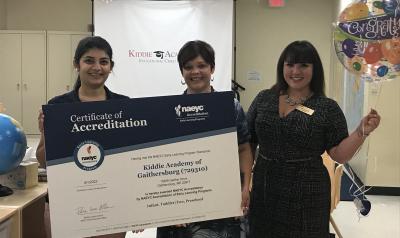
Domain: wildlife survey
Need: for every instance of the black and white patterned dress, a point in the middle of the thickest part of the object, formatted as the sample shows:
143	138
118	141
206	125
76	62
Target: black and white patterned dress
291	187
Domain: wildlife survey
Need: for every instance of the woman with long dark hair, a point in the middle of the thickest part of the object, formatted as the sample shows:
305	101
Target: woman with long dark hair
93	62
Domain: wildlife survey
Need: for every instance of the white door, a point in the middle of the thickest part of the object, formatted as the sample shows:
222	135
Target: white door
59	62
75	38
33	79
61	75
10	74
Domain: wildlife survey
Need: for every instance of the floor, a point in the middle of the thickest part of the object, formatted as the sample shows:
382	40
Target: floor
382	221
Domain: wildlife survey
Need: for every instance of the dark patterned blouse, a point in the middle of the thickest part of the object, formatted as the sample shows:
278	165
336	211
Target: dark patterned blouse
291	187
297	135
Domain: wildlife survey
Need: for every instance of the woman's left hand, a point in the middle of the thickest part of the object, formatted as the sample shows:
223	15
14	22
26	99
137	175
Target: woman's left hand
41	121
369	123
245	200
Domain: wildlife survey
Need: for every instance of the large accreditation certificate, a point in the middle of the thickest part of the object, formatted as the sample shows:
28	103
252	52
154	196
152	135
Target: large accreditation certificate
123	165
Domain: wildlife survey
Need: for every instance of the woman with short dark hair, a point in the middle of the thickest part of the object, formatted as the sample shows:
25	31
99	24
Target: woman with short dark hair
197	64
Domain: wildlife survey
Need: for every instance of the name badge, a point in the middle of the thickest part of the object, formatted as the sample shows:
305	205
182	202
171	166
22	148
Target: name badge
305	109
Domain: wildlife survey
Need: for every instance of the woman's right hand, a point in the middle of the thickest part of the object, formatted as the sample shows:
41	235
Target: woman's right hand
40	150
41	121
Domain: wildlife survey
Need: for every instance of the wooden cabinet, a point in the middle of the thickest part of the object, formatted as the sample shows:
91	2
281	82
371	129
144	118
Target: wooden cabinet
9	223
61	75
23	75
26	209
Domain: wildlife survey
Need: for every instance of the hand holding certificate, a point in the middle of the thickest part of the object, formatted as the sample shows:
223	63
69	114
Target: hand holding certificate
130	164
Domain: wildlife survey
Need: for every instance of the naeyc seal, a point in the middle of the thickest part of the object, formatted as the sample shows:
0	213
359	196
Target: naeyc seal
89	155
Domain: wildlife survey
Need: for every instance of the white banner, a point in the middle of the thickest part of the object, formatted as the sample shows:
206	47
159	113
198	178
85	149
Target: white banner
147	35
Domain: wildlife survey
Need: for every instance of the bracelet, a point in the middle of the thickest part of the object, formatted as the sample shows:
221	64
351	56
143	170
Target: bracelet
361	134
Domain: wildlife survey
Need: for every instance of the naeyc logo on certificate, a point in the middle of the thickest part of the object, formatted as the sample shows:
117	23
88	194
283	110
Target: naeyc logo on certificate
89	155
191	113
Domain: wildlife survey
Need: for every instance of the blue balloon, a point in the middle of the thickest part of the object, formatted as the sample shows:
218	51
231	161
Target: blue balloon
12	143
382	70
349	47
389	7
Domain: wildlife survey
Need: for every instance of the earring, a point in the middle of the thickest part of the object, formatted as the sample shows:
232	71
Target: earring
183	82
212	79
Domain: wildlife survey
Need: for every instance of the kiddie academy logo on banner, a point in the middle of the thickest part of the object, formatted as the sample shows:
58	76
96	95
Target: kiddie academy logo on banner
156	56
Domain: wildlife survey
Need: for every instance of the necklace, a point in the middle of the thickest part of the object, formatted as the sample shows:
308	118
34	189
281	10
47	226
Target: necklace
295	102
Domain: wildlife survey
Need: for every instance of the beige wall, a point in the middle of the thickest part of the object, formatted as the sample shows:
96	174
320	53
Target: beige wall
263	32
335	82
60	15
261	35
2	14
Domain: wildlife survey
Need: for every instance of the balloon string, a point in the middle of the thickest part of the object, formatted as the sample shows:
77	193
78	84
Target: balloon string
378	94
359	148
